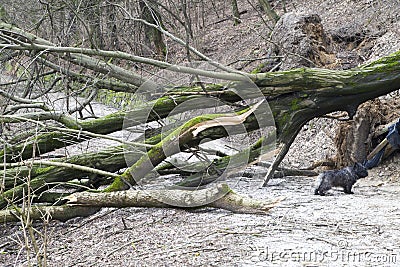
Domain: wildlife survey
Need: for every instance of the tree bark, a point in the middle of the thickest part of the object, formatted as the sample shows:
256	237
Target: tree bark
61	213
236	13
153	198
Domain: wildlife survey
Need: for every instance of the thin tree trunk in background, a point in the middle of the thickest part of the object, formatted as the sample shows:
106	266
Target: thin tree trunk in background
112	27
3	14
266	6
236	14
152	35
93	16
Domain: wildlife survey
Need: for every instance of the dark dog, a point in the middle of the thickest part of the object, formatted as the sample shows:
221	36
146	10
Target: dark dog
345	178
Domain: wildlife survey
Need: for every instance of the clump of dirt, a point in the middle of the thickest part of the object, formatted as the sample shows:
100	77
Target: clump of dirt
302	41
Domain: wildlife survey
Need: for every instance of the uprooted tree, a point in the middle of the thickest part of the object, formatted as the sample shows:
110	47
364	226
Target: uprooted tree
33	127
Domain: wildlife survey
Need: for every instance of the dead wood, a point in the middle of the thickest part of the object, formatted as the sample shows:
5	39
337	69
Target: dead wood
359	139
173	143
353	138
225	199
86	203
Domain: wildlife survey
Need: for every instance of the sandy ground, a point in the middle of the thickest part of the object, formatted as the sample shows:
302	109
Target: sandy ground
303	230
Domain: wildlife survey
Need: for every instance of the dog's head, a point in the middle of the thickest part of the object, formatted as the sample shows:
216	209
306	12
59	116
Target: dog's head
360	170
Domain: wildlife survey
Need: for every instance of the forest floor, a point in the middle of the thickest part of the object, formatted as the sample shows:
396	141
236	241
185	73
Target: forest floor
303	230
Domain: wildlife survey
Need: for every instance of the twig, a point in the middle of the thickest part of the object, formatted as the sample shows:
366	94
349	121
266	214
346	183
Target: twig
79	52
124	245
91	219
59	164
19	99
228	18
324	240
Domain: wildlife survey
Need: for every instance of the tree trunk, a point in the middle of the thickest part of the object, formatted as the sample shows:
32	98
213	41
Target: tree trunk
229	200
356	138
266	6
236	13
85	204
36	213
4	15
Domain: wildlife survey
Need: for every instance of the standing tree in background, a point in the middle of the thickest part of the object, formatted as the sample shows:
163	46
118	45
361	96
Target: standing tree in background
266	6
74	73
150	13
236	13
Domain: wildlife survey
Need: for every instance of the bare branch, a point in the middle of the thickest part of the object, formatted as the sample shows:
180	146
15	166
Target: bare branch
78	57
58	164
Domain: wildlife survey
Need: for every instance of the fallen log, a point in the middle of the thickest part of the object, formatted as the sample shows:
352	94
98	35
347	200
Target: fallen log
173	143
85	203
61	213
218	196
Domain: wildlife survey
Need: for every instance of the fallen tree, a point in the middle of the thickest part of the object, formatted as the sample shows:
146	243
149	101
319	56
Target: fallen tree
294	98
86	203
